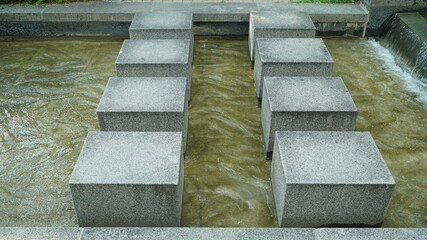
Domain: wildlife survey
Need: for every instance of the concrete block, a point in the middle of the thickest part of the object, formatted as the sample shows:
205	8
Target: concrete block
287	24
199	233
280	57
40	233
329	179
155	58
163	25
132	179
305	104
144	105
371	233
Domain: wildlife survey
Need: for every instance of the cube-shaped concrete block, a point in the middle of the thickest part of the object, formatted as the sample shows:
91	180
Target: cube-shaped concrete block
283	24
138	104
162	25
286	57
305	104
129	179
155	58
329	179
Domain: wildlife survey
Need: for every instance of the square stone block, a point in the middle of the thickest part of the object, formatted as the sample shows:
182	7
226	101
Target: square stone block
287	57
329	179
155	58
305	104
129	179
139	104
162	25
283	24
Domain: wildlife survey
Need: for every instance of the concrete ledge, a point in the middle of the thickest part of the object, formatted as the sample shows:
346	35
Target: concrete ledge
216	233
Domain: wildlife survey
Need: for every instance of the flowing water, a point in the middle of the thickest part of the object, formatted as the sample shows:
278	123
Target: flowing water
49	90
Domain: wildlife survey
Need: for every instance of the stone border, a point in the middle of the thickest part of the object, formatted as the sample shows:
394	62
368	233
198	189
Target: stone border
107	18
212	233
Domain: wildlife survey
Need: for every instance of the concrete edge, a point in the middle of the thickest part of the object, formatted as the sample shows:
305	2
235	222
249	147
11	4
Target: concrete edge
66	233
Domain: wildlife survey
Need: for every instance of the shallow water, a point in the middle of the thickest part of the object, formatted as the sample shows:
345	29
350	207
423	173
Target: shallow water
49	90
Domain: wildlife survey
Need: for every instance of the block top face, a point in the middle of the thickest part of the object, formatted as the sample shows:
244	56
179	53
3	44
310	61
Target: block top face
142	94
129	158
162	20
282	20
304	94
150	51
293	50
331	158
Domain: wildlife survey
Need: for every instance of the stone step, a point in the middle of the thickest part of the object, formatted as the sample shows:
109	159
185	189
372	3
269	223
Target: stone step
131	179
163	25
329	179
305	104
139	104
155	58
42	233
283	24
279	57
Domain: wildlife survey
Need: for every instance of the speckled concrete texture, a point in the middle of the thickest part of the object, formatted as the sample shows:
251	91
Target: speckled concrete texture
144	105
280	57
40	233
132	179
329	179
283	24
305	104
371	233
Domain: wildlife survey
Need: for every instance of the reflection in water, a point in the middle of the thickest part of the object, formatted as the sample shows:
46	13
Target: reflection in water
396	120
49	91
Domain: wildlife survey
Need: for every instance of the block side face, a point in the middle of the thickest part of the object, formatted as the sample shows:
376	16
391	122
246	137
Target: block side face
315	205
162	20
129	158
153	70
258	72
284	33
148	51
332	157
278	183
144	95
160	34
292	69
293	50
309	94
266	121
127	205
18	233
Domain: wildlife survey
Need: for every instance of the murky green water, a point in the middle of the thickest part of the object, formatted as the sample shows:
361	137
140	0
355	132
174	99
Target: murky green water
49	91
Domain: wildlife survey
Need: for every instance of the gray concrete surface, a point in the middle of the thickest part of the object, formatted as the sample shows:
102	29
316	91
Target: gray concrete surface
275	24
198	233
40	233
305	104
131	179
155	58
329	179
371	233
139	104
280	57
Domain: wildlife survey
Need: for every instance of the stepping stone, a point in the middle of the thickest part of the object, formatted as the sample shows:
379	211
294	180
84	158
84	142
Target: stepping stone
139	104
280	57
162	25
155	58
129	179
305	104
329	179
267	24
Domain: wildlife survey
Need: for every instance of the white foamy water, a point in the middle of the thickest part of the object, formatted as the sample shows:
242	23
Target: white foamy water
390	63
